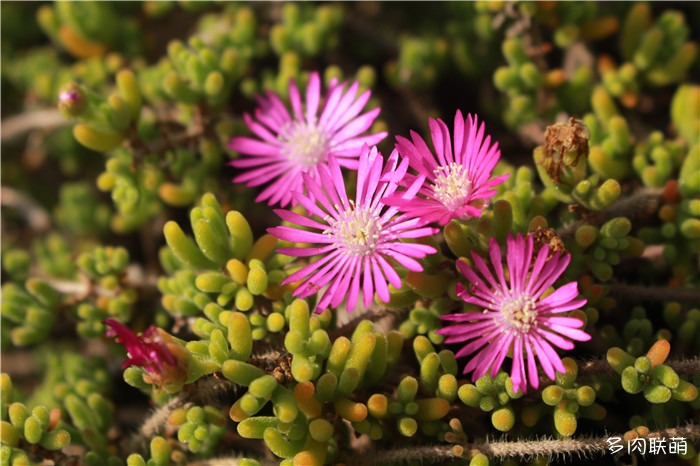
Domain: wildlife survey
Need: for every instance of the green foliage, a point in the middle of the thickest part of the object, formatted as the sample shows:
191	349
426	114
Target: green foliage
307	31
199	427
79	212
571	400
154	92
647	374
492	395
21	426
30	310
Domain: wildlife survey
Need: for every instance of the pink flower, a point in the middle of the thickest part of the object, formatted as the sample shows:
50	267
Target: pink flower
147	350
287	145
357	239
459	182
517	315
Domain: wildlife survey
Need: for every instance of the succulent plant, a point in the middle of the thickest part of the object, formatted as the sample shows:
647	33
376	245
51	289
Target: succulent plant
349	233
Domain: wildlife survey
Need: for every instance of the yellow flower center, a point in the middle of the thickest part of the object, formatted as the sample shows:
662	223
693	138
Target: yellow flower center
303	144
519	313
357	231
452	185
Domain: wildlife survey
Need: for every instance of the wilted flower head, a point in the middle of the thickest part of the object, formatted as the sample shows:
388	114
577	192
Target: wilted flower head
357	239
455	182
517	317
149	350
287	145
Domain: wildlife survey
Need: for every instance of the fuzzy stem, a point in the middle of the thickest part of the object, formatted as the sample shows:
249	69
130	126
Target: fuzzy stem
432	453
154	424
372	314
528	449
582	447
229	461
641	294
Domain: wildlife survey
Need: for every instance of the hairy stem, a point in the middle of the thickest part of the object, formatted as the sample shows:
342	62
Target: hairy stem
372	314
429	453
585	447
153	425
581	447
229	461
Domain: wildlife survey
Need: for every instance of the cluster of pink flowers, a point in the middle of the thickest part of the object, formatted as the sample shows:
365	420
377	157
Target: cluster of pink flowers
299	156
358	241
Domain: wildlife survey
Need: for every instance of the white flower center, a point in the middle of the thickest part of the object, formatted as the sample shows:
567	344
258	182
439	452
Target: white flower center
452	185
518	314
356	231
303	144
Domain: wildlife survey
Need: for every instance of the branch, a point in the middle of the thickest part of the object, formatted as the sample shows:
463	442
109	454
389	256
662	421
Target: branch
642	294
229	461
429	453
154	424
36	216
638	204
582	447
134	277
585	447
373	314
685	367
15	126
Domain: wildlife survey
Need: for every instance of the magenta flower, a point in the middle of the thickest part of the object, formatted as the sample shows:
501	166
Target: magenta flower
518	317
287	145
459	182
147	350
356	239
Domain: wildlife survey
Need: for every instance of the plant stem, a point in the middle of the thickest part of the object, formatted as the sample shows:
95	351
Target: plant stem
641	294
37	217
432	453
683	367
582	447
134	277
602	367
639	204
585	447
153	425
15	126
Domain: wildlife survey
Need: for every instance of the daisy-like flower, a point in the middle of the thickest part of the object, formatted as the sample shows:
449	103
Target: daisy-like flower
154	350
356	239
456	182
286	145
518	317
